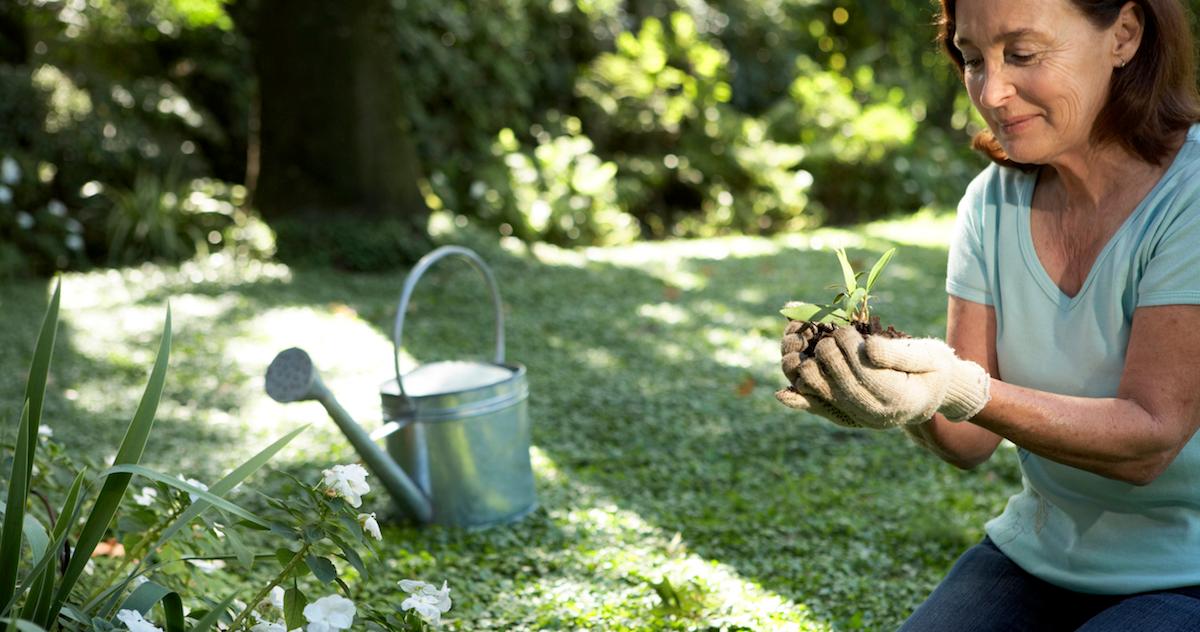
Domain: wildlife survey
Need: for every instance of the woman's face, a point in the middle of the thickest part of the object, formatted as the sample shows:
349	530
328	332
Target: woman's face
1038	71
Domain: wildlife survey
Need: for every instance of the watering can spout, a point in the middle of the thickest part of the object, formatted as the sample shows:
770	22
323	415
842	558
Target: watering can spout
291	377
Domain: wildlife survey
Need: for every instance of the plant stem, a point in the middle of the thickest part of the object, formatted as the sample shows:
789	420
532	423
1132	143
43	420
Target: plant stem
262	594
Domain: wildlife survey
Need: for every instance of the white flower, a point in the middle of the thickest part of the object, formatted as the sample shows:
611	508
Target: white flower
45	431
369	525
330	613
10	171
138	581
428	602
56	208
194	483
134	622
145	497
347	481
5	194
276	597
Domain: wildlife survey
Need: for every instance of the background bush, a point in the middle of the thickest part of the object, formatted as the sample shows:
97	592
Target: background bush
570	121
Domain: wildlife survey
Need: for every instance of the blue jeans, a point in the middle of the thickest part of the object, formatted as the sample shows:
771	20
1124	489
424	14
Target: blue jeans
987	592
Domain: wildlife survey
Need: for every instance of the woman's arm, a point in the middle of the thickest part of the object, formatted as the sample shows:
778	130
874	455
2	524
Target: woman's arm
971	332
1132	437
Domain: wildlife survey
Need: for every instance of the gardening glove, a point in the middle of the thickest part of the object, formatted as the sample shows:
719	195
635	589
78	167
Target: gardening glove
796	339
884	382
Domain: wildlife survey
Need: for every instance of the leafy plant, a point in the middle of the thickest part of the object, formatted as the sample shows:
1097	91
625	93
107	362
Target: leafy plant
851	305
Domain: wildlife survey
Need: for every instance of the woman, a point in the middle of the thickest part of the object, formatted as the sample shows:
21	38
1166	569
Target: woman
1073	327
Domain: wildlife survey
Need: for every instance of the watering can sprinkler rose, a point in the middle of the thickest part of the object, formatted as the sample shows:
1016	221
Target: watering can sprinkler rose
457	432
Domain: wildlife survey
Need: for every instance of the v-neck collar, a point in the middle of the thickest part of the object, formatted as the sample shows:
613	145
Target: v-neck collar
1029	252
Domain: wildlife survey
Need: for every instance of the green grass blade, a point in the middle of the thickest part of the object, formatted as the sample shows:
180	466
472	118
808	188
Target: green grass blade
14	511
39	370
848	275
878	267
130	452
220	503
226	485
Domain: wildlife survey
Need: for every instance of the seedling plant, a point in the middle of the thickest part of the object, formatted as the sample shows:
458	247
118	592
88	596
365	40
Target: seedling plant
849	308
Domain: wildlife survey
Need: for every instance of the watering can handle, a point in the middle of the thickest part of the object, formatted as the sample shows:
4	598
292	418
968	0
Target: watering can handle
410	284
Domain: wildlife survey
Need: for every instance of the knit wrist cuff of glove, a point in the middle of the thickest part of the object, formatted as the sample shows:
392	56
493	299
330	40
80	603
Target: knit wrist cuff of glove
967	393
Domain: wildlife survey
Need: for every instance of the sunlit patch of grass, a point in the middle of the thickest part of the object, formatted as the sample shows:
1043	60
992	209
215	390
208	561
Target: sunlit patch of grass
659	451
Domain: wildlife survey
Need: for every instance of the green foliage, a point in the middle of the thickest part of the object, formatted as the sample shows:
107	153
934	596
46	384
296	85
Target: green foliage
851	305
85	594
572	122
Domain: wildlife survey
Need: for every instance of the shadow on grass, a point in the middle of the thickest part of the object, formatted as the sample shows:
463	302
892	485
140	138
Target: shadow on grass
651	380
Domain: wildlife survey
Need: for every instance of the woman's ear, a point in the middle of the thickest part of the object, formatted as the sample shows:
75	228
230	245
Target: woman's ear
1127	33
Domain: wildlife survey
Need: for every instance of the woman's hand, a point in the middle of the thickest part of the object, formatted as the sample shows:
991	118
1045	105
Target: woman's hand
881	382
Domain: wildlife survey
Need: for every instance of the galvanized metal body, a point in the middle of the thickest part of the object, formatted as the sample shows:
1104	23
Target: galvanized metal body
460	429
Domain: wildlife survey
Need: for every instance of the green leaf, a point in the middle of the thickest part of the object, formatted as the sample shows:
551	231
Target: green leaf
144	597
213	615
293	608
878	267
14	510
350	554
244	556
854	301
284	557
810	313
67	516
322	568
130	452
171	481
25	626
39	371
226	485
848	275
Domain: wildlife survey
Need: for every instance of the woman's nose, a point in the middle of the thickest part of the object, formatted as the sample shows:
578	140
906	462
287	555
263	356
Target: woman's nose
997	86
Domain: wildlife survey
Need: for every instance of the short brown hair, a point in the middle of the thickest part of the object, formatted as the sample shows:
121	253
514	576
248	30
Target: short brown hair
1150	100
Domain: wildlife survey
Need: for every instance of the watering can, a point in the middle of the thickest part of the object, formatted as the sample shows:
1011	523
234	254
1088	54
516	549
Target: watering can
457	432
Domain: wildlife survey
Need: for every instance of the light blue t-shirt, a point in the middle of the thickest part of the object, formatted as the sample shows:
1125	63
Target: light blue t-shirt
1067	526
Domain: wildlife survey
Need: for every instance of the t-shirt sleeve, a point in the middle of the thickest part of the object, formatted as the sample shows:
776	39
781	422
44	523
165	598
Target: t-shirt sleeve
1171	275
966	270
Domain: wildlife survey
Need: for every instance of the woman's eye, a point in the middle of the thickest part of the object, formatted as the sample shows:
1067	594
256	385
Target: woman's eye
1021	59
972	62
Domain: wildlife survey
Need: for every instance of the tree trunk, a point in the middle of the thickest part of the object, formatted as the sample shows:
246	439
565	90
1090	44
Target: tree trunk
333	145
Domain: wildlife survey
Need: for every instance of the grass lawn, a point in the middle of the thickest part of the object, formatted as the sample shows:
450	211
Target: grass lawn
659	450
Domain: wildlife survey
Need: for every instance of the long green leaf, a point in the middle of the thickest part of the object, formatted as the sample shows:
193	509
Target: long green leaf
67	516
39	370
878	267
220	503
130	452
848	275
14	511
226	485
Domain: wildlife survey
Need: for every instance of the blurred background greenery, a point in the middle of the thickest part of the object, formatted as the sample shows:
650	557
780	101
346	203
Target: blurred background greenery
154	129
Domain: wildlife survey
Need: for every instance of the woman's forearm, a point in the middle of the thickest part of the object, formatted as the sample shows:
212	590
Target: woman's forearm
1115	438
